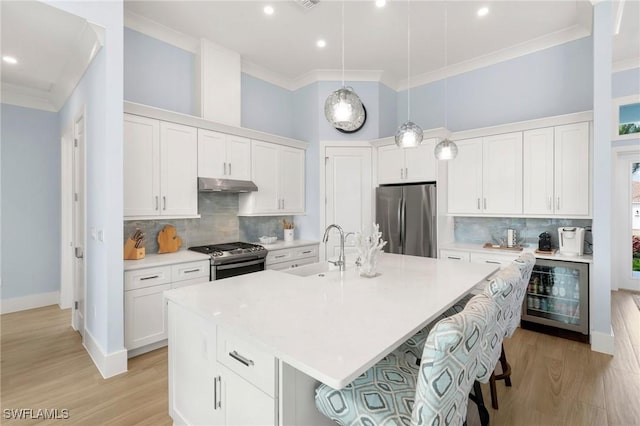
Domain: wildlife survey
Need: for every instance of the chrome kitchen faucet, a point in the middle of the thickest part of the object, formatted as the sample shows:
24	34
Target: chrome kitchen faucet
340	262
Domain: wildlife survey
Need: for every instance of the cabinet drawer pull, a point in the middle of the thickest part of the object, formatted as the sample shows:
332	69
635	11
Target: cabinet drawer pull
485	203
164	202
558	204
280	256
230	169
192	270
406	173
306	252
235	355
156	202
492	261
225	168
550	203
401	173
149	278
454	258
217	403
478	203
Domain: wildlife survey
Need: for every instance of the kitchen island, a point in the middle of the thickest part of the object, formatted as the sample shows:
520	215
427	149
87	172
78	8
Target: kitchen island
264	340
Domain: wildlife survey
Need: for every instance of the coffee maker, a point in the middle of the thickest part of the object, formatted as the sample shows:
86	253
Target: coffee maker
571	241
544	242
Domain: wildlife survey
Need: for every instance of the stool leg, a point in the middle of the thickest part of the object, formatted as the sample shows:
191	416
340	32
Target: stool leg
494	391
482	410
506	368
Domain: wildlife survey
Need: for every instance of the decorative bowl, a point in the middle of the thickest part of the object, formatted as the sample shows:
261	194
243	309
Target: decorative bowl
268	240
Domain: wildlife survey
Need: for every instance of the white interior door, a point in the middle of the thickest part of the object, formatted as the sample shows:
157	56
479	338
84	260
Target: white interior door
348	192
79	276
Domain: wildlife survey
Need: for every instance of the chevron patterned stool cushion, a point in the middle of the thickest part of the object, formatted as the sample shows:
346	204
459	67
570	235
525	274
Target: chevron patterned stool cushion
450	363
382	395
524	265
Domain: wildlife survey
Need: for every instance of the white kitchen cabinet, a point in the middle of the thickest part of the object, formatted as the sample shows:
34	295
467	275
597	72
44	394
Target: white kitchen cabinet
486	176
503	260
288	258
556	171
571	170
465	178
461	256
145	310
278	171
160	169
405	165
237	394
223	156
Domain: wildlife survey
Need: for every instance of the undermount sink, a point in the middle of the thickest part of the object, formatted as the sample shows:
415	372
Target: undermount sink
312	269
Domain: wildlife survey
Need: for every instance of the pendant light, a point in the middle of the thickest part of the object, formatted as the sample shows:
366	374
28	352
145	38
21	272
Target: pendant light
343	108
446	149
409	134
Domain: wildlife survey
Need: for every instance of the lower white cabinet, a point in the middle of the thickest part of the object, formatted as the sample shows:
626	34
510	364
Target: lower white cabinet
145	311
287	258
455	255
216	378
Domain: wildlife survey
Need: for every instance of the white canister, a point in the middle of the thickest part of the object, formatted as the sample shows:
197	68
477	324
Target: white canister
511	237
288	235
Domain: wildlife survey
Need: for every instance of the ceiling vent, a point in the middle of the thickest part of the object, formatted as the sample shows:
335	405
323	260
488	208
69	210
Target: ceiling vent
308	4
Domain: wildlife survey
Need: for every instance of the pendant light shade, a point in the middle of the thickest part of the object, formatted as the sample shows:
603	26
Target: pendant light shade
343	109
446	150
409	135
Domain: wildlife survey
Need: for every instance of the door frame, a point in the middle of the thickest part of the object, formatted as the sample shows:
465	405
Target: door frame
323	190
622	220
67	279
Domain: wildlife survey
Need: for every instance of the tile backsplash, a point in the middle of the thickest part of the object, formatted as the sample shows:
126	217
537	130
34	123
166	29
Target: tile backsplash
480	230
219	223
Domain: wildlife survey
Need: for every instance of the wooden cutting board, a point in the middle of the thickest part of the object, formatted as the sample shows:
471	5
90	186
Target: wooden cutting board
168	240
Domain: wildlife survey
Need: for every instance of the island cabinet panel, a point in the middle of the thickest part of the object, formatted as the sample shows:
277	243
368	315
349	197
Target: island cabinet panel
160	169
406	165
216	378
194	375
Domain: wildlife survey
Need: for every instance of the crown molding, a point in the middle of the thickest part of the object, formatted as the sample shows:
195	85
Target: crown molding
314	76
531	46
625	64
27	97
161	32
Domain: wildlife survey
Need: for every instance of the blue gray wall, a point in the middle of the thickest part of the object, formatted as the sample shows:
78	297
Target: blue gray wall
266	107
554	81
625	83
30	202
157	73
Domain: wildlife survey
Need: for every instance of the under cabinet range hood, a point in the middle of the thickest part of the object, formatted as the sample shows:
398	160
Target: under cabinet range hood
225	185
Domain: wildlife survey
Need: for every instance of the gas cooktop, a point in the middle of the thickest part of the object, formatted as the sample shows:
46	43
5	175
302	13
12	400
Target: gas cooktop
231	251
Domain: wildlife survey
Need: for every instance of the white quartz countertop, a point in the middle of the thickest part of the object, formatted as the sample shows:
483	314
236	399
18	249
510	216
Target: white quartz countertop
477	248
281	244
154	260
334	327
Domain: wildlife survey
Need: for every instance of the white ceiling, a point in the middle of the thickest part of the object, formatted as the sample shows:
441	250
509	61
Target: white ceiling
376	38
53	49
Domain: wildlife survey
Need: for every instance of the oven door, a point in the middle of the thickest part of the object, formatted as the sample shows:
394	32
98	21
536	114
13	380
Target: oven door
227	270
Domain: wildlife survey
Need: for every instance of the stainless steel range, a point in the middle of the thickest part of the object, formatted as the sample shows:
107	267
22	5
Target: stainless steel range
231	259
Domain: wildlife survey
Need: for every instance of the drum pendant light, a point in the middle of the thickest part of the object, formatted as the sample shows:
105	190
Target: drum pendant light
343	108
409	134
446	149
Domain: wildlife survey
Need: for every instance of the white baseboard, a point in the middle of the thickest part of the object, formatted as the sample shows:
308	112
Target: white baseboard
30	302
603	342
109	365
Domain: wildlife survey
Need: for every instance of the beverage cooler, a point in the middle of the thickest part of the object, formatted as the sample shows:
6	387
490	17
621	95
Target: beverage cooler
558	296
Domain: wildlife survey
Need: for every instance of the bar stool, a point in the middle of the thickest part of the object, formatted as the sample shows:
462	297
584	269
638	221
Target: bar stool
522	267
441	384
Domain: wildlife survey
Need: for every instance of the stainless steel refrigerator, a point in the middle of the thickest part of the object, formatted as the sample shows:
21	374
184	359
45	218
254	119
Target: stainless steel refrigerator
407	218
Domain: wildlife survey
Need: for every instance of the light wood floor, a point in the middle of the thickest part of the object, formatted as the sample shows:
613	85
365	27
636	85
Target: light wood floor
555	381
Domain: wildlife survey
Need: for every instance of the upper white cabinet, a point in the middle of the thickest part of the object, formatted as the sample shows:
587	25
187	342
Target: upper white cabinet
223	156
278	171
486	176
556	170
160	168
404	165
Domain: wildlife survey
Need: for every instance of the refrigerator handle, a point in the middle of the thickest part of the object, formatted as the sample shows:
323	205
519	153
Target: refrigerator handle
401	223
403	208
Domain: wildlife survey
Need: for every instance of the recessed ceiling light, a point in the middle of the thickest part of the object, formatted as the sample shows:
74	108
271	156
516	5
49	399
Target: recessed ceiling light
10	59
381	3
268	10
483	11
321	43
